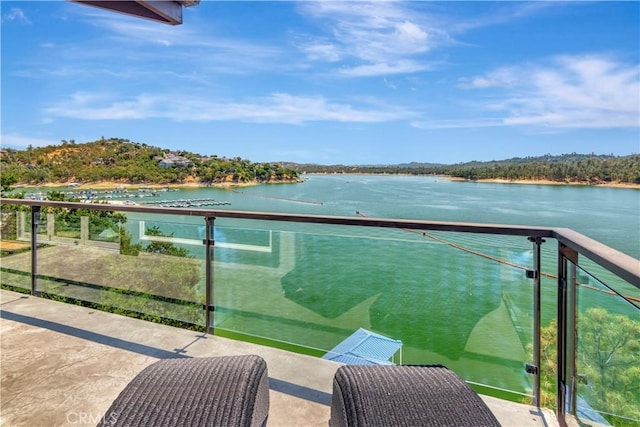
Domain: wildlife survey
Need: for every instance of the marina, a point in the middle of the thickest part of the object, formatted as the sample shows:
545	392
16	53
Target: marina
188	203
127	195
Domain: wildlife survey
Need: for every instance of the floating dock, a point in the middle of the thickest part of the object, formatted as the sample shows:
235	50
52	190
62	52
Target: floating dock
188	203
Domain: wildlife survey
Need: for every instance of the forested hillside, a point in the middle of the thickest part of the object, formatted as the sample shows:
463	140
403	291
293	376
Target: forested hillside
120	160
588	169
567	168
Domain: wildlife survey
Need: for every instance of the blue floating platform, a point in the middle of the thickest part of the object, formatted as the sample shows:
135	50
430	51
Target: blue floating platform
364	347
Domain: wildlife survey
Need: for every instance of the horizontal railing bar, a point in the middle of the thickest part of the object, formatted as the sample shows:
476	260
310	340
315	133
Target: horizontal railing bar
124	311
97	287
613	260
463	227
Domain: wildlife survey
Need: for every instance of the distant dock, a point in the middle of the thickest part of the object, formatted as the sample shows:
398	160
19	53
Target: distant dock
188	203
124	196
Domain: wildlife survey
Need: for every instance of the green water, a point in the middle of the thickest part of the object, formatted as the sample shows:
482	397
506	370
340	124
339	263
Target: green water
309	287
609	215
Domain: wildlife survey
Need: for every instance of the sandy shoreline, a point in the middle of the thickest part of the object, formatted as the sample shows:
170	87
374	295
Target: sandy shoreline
108	185
548	182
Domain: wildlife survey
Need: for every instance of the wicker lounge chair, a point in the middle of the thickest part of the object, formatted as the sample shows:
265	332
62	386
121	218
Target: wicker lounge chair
405	396
218	391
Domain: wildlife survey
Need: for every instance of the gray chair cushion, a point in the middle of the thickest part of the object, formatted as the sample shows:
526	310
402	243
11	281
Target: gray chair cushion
405	396
217	391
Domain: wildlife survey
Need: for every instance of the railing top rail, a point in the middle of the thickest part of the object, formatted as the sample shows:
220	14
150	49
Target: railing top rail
613	260
619	263
464	227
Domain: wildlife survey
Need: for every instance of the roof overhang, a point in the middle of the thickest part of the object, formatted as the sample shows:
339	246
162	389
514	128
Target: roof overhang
165	11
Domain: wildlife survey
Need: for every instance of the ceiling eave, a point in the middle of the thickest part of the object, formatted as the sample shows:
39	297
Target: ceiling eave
165	11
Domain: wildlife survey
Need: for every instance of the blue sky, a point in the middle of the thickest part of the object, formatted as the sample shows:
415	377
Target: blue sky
329	82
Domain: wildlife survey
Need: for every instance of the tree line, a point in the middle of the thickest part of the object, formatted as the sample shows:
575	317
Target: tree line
566	168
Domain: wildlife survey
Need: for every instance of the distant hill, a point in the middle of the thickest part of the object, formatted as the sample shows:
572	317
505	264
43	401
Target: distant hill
123	161
546	158
565	168
391	168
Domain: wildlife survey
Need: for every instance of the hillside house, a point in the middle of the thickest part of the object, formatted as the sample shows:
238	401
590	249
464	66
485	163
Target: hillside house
172	159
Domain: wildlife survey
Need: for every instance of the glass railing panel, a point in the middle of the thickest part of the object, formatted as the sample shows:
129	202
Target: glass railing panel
104	227
607	348
67	224
457	299
15	247
149	271
168	257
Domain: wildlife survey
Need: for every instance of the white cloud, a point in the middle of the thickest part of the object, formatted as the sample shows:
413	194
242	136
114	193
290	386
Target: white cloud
135	30
411	37
400	67
569	92
500	13
503	77
15	14
458	124
194	48
131	31
12	140
275	108
382	37
321	51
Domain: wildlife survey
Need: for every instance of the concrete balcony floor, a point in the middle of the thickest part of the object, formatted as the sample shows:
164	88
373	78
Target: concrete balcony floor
63	365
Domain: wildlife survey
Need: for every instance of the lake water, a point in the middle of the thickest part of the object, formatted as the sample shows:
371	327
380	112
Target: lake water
609	215
312	286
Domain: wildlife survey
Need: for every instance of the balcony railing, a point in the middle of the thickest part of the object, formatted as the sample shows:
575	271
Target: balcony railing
475	297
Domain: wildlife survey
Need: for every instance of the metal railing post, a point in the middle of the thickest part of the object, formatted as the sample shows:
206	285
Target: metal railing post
572	335
566	333
209	242
561	336
537	273
35	224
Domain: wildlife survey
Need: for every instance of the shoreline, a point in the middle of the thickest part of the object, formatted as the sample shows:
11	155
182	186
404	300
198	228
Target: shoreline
110	185
546	182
